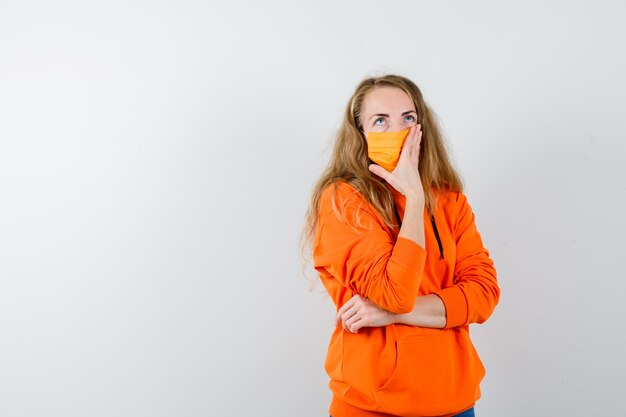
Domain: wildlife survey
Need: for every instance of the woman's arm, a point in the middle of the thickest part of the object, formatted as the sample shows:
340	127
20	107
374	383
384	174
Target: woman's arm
475	292
471	299
358	250
406	179
358	312
429	311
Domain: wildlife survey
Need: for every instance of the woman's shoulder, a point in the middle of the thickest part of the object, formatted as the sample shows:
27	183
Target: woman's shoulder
340	197
451	200
340	191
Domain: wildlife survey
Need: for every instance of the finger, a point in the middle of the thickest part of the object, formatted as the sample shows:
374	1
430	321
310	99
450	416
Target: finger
348	314
418	139
354	327
414	131
409	142
337	317
346	319
384	174
418	146
347	305
415	145
380	171
349	322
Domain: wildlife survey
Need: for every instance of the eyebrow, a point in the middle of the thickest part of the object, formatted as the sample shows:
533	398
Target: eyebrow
386	115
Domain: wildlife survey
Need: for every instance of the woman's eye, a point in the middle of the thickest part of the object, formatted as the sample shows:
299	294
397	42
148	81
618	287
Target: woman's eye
379	122
410	119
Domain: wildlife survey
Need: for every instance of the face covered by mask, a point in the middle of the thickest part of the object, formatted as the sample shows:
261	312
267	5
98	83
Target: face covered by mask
384	147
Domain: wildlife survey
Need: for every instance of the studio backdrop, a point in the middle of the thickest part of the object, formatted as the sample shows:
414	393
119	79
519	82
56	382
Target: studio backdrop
156	161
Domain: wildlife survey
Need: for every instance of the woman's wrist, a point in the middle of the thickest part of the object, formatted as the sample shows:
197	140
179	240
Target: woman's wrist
415	199
429	311
413	222
400	318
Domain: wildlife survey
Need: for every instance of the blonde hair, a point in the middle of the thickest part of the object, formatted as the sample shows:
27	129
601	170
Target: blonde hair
349	161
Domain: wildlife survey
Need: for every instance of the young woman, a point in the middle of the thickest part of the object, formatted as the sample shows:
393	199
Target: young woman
396	246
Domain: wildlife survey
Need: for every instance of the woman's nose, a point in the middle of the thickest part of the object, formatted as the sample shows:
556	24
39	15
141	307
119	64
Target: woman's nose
395	126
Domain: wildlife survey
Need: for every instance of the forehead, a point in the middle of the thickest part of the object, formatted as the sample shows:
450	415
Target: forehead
389	100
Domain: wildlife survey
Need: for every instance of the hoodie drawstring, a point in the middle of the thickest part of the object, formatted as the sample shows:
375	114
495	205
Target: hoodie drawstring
432	221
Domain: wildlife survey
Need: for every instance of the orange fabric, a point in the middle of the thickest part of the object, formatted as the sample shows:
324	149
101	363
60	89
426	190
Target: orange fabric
384	147
401	370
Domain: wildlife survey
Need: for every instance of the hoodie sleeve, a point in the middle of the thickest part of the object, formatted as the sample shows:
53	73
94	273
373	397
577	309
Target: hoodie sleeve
475	292
358	250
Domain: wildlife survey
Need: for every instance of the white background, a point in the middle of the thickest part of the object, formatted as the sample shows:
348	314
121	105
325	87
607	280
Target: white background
156	160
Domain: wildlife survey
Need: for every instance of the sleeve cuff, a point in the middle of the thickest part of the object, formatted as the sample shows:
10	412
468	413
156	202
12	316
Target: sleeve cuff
456	306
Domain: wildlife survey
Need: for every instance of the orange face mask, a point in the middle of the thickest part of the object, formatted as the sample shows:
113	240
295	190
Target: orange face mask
384	147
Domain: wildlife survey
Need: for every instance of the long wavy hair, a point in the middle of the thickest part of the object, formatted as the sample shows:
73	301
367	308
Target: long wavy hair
349	161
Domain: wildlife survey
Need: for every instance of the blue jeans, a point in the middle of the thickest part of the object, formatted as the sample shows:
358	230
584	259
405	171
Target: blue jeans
468	413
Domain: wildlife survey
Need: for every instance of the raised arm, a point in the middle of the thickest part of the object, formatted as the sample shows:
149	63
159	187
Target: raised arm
359	251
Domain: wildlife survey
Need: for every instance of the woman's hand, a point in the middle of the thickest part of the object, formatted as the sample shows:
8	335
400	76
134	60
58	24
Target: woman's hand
360	312
429	311
405	177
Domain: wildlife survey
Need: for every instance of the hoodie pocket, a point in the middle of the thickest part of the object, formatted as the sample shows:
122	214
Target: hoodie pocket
369	359
434	375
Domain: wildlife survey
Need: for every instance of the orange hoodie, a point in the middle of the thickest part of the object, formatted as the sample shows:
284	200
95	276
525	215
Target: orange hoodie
401	370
